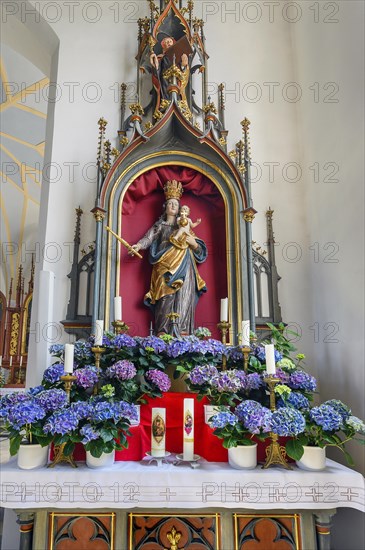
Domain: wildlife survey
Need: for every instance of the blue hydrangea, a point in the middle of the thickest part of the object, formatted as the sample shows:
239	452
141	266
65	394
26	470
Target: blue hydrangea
83	351
340	407
326	417
259	352
52	400
157	344
223	419
300	380
253	381
123	341
62	422
104	410
227	381
34	391
126	410
296	400
82	409
202	374
254	417
89	434
178	347
287	422
56	349
235	354
356	424
25	412
53	373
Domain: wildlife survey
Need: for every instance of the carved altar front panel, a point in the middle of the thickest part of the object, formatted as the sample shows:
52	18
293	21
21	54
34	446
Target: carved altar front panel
188	531
260	532
81	531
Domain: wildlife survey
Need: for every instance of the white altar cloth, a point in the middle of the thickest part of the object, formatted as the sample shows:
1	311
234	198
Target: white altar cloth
128	485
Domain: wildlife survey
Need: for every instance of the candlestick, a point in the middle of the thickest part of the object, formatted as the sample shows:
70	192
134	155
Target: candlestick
69	358
270	359
98	352
173	318
224	309
246	352
99	330
118	308
68	380
120	327
246	334
59	456
151	329
188	429
158	432
224	328
275	453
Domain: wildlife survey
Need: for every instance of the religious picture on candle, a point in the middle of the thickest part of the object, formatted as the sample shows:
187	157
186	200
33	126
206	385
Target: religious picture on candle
158	428
188	423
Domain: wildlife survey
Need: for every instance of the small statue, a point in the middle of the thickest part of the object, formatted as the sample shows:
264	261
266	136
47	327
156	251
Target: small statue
186	225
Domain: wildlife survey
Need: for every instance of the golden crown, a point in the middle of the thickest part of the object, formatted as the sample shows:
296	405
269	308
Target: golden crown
173	189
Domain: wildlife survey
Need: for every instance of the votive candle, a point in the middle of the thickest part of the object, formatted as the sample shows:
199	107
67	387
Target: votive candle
158	432
188	429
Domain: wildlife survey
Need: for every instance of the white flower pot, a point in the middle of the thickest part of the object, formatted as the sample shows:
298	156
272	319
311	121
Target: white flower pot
32	456
137	422
314	458
106	459
243	457
4	451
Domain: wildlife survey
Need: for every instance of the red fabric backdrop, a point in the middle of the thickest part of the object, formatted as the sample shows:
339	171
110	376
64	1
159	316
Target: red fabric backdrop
142	206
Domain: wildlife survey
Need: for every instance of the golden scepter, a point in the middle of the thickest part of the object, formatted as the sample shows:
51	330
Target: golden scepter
124	243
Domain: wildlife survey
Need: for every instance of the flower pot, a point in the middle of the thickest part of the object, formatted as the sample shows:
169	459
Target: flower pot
243	457
105	460
314	458
138	421
32	456
4	451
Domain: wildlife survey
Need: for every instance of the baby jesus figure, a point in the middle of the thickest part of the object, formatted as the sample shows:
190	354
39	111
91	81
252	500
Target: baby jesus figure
185	224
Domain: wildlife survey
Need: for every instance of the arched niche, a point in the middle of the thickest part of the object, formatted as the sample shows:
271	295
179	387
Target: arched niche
132	196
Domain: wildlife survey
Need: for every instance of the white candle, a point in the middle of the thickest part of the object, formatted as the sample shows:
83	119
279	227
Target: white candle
118	308
21	361
158	432
99	330
69	358
1	360
11	361
224	309
270	359
188	429
246	334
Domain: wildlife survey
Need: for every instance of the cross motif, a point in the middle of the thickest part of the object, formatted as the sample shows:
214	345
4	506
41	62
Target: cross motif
167	493
349	494
315	494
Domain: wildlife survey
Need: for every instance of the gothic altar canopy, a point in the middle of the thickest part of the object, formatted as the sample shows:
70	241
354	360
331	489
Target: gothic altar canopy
175	133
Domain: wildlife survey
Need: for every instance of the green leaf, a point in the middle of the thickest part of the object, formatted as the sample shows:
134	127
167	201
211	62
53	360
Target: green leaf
15	444
294	449
349	458
106	435
68	448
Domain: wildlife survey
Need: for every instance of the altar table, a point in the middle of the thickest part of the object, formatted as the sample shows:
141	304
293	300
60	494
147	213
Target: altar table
131	504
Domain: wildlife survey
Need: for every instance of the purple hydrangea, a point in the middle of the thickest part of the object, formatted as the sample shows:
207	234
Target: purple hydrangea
259	352
282	375
340	407
25	412
62	422
223	419
254	417
53	373
52	400
327	417
227	381
159	378
253	381
123	341
86	377
157	344
287	422
127	411
89	434
300	380
123	370
202	374
178	347
235	354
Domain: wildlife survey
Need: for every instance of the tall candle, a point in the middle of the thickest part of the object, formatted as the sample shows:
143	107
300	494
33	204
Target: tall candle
11	361
1	360
246	334
69	358
158	432
21	361
188	429
224	309
118	308
99	330
270	359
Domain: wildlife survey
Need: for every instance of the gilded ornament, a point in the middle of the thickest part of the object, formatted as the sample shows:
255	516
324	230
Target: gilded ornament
15	323
223	141
210	107
124	141
172	72
136	109
173	537
148	125
173	189
232	154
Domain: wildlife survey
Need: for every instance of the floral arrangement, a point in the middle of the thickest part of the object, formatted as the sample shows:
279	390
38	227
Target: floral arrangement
202	333
249	419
